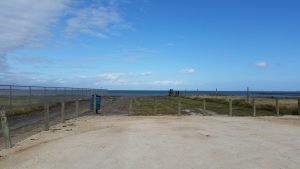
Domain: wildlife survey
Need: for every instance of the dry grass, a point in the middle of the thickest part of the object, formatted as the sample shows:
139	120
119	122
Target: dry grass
22	105
218	104
265	106
262	101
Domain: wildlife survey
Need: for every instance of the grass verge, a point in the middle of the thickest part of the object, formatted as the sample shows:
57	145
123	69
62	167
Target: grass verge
220	105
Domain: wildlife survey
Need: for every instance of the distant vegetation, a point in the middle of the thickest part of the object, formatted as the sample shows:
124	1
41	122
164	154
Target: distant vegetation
217	104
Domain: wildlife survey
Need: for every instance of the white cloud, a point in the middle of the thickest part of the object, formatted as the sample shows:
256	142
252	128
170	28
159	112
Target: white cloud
261	64
146	73
97	20
31	78
111	76
32	59
24	21
111	80
27	22
189	70
168	83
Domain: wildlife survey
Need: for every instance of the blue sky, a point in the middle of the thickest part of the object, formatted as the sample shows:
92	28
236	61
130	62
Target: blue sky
151	44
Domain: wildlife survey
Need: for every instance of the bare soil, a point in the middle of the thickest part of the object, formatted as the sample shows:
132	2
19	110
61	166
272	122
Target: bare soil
167	142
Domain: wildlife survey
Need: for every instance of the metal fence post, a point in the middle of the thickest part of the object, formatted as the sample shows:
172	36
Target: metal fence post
82	94
46	117
230	107
277	107
10	98
179	107
94	105
45	94
62	111
30	102
72	93
56	91
77	108
65	94
5	129
254	107
248	95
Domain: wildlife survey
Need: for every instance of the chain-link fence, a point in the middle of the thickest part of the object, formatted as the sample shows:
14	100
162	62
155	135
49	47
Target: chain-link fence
22	99
27	110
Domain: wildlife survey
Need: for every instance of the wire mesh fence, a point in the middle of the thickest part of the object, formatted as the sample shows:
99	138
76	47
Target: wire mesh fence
30	112
206	105
31	109
20	99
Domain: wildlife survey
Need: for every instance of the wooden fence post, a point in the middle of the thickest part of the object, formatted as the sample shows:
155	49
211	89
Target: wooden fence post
130	107
155	106
29	97
5	129
204	105
277	107
62	111
77	108
230	107
254	107
248	95
46	117
179	107
299	107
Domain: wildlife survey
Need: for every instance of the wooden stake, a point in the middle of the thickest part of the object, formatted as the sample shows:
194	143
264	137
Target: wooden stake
277	107
230	107
179	108
62	111
254	107
155	106
5	129
130	107
77	108
46	117
299	107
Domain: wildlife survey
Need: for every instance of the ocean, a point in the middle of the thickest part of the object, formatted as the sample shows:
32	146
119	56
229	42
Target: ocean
281	94
53	91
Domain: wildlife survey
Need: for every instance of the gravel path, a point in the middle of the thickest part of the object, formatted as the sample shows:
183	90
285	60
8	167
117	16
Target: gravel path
167	142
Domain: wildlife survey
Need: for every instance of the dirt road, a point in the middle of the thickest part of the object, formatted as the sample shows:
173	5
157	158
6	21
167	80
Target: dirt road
166	142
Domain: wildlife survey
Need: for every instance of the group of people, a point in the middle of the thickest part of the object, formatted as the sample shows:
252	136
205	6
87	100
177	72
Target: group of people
174	93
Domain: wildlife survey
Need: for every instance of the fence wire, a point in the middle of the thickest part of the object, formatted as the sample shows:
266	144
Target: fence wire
25	107
207	105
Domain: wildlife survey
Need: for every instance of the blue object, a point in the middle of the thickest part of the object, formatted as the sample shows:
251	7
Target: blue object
98	103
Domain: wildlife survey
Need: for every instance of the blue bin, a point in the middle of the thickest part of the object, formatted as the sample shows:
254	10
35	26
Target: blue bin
98	102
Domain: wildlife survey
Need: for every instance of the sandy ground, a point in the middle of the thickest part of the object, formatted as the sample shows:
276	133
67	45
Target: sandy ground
167	142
